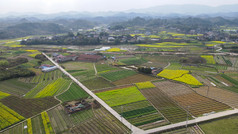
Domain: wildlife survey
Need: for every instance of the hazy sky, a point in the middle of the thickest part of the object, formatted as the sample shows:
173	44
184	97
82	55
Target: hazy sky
53	6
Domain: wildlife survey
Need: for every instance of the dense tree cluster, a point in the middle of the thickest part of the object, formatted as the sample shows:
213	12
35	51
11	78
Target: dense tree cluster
6	74
145	70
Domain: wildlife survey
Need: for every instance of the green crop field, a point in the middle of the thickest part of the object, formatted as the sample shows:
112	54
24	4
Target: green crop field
209	59
15	87
117	75
73	93
222	126
3	95
37	89
54	88
104	68
121	96
8	116
133	61
97	83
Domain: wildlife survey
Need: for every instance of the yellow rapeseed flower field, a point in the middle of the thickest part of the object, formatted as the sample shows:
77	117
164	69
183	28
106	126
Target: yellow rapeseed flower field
144	85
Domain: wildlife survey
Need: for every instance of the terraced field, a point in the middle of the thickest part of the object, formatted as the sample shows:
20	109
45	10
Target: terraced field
196	104
134	79
172	112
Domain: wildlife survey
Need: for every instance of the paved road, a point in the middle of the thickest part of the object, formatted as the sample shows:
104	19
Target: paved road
134	129
193	121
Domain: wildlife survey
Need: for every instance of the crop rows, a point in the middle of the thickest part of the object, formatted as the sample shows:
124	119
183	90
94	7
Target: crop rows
194	103
29	126
139	113
53	75
103	123
29	107
209	59
46	123
228	62
37	89
54	88
8	117
3	95
73	93
18	129
165	105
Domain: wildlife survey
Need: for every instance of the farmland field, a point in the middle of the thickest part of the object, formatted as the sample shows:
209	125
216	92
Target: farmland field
140	113
97	83
103	123
121	96
37	125
196	104
15	87
3	95
53	75
8	116
54	88
104	68
133	61
218	94
180	75
222	126
73	93
78	66
144	85
37	89
18	129
29	107
134	79
172	112
117	75
209	59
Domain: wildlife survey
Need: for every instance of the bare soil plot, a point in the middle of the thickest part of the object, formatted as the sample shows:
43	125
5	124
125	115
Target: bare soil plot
134	79
227	97
194	103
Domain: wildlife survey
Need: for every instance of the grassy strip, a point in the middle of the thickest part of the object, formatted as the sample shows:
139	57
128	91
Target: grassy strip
150	121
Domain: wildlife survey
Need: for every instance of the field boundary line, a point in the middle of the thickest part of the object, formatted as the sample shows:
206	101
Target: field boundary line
133	128
95	69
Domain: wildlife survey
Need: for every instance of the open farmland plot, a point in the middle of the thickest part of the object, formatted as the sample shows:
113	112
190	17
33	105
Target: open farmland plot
103	123
145	85
165	105
209	59
78	66
15	87
97	83
141	113
3	95
37	125
196	104
180	75
121	96
8	117
134	79
29	107
104	68
117	75
53	75
218	94
73	93
19	129
54	88
37	89
133	61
